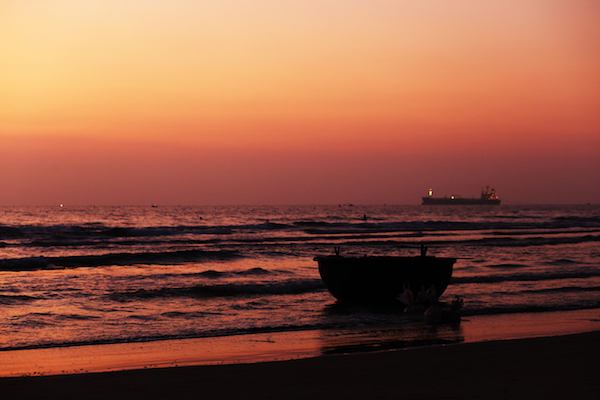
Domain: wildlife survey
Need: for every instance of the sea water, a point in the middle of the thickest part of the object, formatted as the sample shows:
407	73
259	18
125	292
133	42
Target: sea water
95	275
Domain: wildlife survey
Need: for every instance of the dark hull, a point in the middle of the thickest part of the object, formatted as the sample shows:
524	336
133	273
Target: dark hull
457	201
381	279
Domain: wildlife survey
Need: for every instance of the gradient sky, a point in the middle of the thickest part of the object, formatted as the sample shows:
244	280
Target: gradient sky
106	102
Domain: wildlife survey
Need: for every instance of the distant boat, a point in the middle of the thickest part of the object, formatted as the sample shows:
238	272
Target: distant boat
487	197
381	279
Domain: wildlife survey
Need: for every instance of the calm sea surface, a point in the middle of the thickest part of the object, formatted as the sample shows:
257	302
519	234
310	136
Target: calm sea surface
72	276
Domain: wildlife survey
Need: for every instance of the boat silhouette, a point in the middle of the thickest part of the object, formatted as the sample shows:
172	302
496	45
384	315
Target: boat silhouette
380	279
487	197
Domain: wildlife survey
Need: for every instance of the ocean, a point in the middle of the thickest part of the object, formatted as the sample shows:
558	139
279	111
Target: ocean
72	276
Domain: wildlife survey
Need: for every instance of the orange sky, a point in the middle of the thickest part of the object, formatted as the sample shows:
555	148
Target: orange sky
271	102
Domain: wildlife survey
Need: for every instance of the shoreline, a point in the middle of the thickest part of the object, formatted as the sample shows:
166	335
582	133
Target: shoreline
544	367
292	345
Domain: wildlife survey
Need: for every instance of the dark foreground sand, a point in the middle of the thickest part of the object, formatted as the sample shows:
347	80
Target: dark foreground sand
564	367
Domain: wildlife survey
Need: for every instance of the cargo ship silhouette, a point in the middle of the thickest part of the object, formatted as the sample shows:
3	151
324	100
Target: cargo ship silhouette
487	197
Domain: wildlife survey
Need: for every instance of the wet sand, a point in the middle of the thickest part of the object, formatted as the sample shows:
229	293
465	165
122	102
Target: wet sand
547	367
291	345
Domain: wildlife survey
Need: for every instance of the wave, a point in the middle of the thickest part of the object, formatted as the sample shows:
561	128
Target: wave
449	240
524	277
9	299
9	232
78	317
253	272
58	233
578	220
153	338
214	274
565	289
506	266
161	258
536	241
76	232
187	315
223	290
527	308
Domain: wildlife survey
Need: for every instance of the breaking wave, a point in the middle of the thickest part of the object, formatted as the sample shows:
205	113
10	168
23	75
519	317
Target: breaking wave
290	287
162	258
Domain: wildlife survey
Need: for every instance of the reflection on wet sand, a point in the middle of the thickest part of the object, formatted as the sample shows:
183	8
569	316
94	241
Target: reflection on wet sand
369	339
367	335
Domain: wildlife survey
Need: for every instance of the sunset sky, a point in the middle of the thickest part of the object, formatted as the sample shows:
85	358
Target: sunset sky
135	102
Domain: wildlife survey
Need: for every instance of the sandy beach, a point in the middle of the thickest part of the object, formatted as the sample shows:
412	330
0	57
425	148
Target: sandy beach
548	367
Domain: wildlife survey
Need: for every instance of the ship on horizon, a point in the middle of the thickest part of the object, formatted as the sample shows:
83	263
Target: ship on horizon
487	197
